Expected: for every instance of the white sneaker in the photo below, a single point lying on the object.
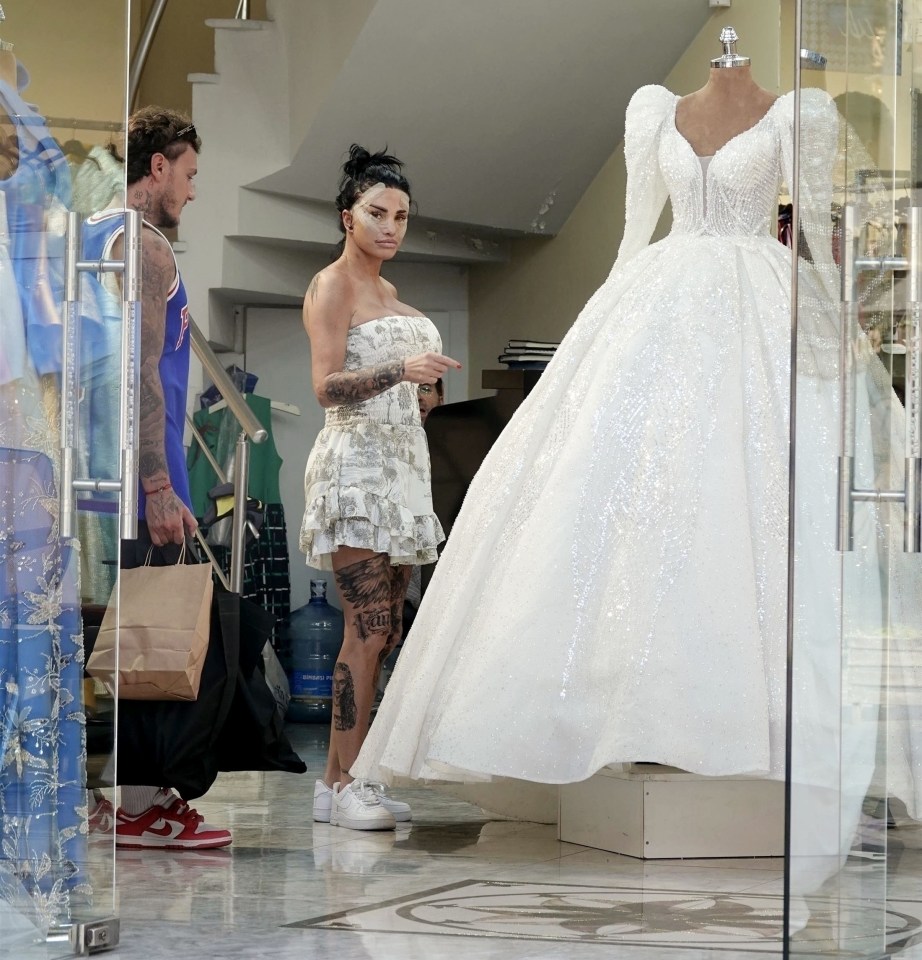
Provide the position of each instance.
(399, 810)
(323, 802)
(357, 807)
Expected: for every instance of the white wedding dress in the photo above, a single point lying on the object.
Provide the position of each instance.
(614, 588)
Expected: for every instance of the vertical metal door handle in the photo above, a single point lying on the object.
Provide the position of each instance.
(912, 532)
(911, 493)
(70, 380)
(848, 329)
(131, 363)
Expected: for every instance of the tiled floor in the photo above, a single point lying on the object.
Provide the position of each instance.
(452, 884)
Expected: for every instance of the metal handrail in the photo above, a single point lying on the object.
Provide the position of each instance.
(139, 59)
(219, 377)
(251, 430)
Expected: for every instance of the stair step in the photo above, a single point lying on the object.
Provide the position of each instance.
(203, 77)
(234, 24)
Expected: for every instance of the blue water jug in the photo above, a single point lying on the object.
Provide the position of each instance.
(312, 640)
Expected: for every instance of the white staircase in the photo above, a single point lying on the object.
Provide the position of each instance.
(504, 114)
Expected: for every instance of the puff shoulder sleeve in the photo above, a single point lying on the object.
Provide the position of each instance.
(646, 190)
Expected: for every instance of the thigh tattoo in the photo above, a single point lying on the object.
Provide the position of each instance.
(366, 582)
(373, 623)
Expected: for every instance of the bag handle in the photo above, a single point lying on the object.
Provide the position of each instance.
(150, 554)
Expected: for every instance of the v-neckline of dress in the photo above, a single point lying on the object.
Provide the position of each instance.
(733, 139)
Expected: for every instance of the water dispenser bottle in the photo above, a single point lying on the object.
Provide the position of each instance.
(313, 638)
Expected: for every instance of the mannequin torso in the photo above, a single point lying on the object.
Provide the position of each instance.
(727, 105)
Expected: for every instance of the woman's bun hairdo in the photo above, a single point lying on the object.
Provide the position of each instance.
(363, 170)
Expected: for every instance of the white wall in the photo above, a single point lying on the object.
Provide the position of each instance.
(278, 351)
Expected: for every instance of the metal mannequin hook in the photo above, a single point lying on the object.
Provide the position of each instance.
(730, 58)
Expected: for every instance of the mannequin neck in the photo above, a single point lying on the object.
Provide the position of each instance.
(729, 103)
(730, 81)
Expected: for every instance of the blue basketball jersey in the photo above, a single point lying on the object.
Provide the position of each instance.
(100, 231)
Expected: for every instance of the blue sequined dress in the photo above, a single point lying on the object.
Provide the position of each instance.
(42, 724)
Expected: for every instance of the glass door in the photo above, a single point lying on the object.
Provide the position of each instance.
(855, 697)
(63, 79)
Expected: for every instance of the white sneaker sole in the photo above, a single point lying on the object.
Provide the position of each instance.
(401, 816)
(378, 823)
(167, 843)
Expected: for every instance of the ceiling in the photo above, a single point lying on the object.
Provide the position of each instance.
(503, 110)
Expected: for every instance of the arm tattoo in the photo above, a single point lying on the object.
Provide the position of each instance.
(355, 386)
(343, 697)
(366, 582)
(157, 275)
(313, 288)
(151, 463)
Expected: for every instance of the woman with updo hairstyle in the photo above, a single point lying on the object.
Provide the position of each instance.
(368, 514)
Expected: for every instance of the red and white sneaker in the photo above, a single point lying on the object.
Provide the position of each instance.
(169, 824)
(101, 817)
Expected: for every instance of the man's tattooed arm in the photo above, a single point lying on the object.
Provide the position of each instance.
(353, 386)
(157, 275)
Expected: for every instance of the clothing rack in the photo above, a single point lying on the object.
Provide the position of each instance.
(71, 123)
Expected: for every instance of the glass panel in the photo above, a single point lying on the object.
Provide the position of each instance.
(854, 725)
(60, 104)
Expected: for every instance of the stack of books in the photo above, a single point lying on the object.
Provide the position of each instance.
(528, 354)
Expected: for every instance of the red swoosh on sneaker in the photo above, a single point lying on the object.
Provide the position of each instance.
(165, 831)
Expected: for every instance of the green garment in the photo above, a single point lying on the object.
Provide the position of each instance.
(220, 431)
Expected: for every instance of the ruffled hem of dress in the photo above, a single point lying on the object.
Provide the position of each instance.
(374, 523)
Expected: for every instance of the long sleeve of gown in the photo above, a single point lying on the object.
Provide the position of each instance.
(646, 190)
(819, 141)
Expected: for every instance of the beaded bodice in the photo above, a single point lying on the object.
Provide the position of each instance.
(740, 182)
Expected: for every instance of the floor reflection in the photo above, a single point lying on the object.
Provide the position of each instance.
(453, 884)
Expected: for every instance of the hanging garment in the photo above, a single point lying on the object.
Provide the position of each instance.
(37, 198)
(614, 587)
(219, 429)
(98, 180)
(42, 753)
(42, 747)
(266, 568)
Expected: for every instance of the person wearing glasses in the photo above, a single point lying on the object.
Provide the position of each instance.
(161, 164)
(430, 396)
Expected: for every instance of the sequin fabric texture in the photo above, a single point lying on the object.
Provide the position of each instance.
(614, 588)
(43, 807)
(367, 482)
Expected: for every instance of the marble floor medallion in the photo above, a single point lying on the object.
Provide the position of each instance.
(575, 912)
(599, 914)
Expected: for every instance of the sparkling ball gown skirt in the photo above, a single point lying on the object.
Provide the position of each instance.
(614, 588)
